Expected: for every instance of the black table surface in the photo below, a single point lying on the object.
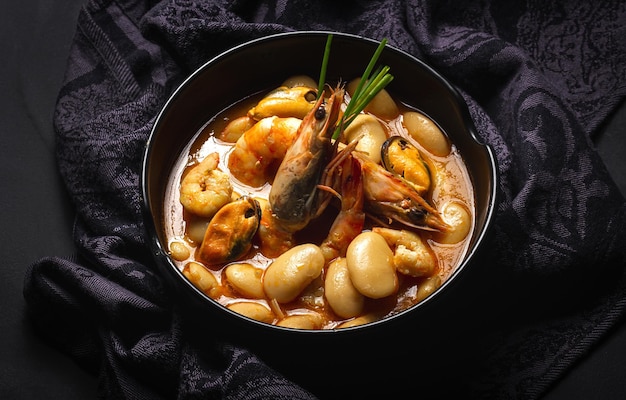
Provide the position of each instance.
(37, 216)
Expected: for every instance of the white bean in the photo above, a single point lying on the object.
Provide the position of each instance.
(371, 135)
(292, 271)
(382, 105)
(458, 217)
(426, 132)
(302, 321)
(202, 279)
(252, 310)
(235, 129)
(179, 251)
(196, 228)
(370, 263)
(340, 293)
(245, 279)
(363, 319)
(428, 287)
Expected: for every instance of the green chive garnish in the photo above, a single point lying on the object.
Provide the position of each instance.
(322, 81)
(367, 88)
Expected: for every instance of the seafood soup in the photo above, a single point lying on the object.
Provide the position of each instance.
(273, 218)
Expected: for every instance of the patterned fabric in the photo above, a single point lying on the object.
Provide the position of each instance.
(539, 79)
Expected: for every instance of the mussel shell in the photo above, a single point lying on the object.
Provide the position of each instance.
(400, 157)
(229, 234)
(285, 102)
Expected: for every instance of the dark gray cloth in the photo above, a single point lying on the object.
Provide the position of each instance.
(539, 79)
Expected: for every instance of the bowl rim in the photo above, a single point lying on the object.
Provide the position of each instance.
(159, 253)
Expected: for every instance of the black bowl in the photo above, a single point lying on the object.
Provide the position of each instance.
(263, 64)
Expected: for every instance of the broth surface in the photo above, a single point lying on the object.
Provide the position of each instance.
(450, 184)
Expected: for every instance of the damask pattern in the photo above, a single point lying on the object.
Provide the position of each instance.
(538, 77)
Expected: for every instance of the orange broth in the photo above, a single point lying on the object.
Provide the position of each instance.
(451, 182)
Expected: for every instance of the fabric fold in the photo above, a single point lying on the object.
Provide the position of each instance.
(538, 80)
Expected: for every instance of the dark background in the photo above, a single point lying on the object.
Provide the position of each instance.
(37, 215)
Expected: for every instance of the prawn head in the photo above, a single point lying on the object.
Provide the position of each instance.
(390, 196)
(294, 191)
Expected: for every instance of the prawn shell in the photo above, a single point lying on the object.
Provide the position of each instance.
(205, 188)
(252, 160)
(229, 234)
(293, 196)
(285, 102)
(402, 158)
(389, 195)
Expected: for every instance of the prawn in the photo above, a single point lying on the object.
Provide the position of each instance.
(205, 189)
(273, 239)
(257, 152)
(293, 195)
(351, 218)
(391, 196)
(411, 256)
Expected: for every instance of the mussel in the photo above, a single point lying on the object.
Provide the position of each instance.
(285, 102)
(229, 234)
(400, 157)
